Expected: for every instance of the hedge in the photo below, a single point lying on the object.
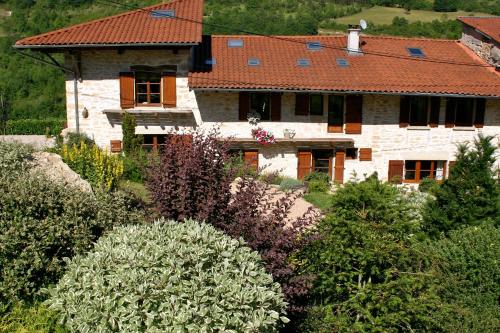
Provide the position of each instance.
(50, 126)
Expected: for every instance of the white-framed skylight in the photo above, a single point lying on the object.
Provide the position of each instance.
(163, 13)
(341, 62)
(234, 43)
(210, 61)
(415, 52)
(253, 62)
(303, 62)
(314, 46)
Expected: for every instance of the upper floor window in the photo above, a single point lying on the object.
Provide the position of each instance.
(465, 112)
(148, 88)
(309, 104)
(266, 105)
(419, 111)
(260, 104)
(316, 105)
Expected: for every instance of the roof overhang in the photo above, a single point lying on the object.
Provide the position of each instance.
(100, 46)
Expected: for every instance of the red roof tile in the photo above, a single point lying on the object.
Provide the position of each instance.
(448, 67)
(489, 26)
(134, 27)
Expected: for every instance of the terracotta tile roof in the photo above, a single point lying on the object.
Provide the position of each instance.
(448, 67)
(134, 27)
(489, 26)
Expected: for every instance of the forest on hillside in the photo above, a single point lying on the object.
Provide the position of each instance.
(32, 90)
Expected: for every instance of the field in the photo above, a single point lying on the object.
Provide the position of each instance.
(384, 15)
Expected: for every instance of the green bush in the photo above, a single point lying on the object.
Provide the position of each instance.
(320, 176)
(14, 158)
(135, 166)
(289, 184)
(468, 271)
(34, 319)
(35, 126)
(72, 139)
(273, 178)
(318, 186)
(168, 277)
(131, 142)
(428, 185)
(42, 222)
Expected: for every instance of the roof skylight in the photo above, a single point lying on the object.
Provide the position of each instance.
(163, 13)
(314, 46)
(210, 61)
(303, 62)
(253, 62)
(416, 52)
(342, 62)
(232, 43)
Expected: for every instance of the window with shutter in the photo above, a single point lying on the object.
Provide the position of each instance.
(275, 107)
(244, 105)
(305, 164)
(316, 105)
(339, 166)
(354, 114)
(435, 111)
(396, 169)
(404, 111)
(169, 96)
(301, 104)
(480, 112)
(335, 114)
(465, 112)
(127, 94)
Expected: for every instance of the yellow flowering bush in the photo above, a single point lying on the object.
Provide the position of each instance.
(97, 166)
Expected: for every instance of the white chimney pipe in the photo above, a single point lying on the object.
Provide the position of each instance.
(353, 40)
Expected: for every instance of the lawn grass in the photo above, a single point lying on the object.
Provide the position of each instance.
(385, 15)
(3, 18)
(319, 199)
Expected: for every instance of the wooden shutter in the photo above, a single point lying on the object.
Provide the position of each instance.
(304, 164)
(169, 93)
(396, 169)
(127, 91)
(404, 111)
(335, 114)
(116, 146)
(339, 166)
(251, 159)
(434, 114)
(451, 105)
(354, 114)
(244, 105)
(480, 111)
(301, 104)
(365, 154)
(275, 107)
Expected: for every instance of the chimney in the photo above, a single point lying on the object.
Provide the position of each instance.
(353, 40)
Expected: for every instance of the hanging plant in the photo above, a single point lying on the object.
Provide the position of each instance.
(263, 137)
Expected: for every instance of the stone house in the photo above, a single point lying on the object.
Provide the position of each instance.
(344, 105)
(482, 35)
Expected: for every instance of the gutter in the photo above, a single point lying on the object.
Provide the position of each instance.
(88, 46)
(347, 92)
(55, 64)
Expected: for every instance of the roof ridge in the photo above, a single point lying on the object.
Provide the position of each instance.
(99, 20)
(332, 37)
(480, 17)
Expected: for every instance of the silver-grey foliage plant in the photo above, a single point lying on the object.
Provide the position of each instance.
(168, 277)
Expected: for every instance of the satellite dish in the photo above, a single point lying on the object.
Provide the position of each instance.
(363, 24)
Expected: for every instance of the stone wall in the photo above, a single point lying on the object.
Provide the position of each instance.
(482, 46)
(99, 91)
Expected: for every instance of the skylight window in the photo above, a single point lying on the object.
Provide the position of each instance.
(232, 43)
(342, 62)
(163, 13)
(253, 62)
(416, 52)
(303, 62)
(314, 46)
(210, 62)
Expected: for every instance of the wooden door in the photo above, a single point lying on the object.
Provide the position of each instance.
(339, 166)
(305, 164)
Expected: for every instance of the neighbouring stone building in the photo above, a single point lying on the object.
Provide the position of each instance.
(482, 35)
(335, 104)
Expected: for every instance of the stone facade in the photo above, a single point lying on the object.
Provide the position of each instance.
(484, 47)
(100, 90)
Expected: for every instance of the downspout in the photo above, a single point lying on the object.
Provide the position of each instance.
(54, 63)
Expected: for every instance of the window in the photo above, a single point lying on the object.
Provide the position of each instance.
(148, 88)
(335, 114)
(235, 43)
(316, 105)
(415, 171)
(416, 52)
(351, 153)
(322, 161)
(303, 62)
(260, 103)
(465, 112)
(342, 62)
(419, 111)
(153, 142)
(314, 46)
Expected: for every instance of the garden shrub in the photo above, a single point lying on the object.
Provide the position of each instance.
(14, 158)
(369, 276)
(470, 195)
(135, 166)
(132, 142)
(468, 271)
(289, 184)
(318, 186)
(428, 185)
(100, 168)
(273, 178)
(42, 222)
(35, 126)
(71, 139)
(34, 319)
(321, 176)
(168, 277)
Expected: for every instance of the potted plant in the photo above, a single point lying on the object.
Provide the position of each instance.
(263, 137)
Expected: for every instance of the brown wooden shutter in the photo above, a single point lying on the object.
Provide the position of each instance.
(339, 166)
(301, 104)
(244, 105)
(354, 114)
(434, 114)
(116, 146)
(480, 111)
(169, 93)
(304, 164)
(275, 107)
(127, 91)
(396, 169)
(251, 159)
(451, 104)
(365, 154)
(404, 111)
